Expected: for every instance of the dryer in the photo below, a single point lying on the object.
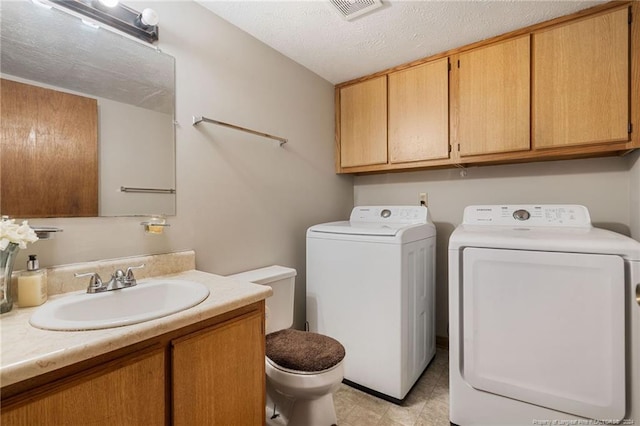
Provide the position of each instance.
(544, 319)
(371, 286)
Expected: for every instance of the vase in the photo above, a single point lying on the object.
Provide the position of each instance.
(7, 259)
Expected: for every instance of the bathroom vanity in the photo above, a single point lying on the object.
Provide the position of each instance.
(204, 365)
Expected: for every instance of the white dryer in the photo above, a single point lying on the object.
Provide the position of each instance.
(371, 286)
(543, 317)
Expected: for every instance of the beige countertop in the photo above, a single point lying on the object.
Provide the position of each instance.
(28, 351)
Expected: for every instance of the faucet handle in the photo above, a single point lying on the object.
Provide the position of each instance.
(129, 276)
(95, 282)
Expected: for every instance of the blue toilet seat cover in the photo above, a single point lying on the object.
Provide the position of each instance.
(303, 350)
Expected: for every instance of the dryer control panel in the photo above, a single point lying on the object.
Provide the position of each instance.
(569, 215)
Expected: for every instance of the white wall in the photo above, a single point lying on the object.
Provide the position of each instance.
(634, 194)
(136, 150)
(603, 185)
(242, 201)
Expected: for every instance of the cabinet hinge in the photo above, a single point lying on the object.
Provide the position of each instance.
(449, 66)
(458, 147)
(458, 63)
(630, 128)
(449, 148)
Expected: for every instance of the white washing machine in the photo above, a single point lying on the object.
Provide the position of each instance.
(371, 286)
(544, 319)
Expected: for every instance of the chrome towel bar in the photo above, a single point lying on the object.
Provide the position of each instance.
(148, 190)
(198, 120)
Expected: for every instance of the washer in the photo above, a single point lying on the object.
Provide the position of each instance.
(544, 319)
(371, 286)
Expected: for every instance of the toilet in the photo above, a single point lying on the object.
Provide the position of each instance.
(303, 369)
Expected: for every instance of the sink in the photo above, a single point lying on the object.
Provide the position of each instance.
(146, 301)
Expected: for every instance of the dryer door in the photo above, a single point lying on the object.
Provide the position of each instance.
(546, 328)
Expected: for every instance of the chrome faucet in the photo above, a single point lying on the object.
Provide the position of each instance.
(119, 279)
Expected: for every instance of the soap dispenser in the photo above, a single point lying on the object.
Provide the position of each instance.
(32, 284)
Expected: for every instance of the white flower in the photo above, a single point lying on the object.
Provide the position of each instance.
(10, 232)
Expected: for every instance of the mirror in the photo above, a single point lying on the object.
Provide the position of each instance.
(133, 84)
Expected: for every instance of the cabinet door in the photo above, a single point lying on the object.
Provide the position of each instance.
(218, 375)
(131, 392)
(419, 113)
(493, 98)
(363, 123)
(48, 152)
(581, 82)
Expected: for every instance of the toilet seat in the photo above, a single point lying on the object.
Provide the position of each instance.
(302, 373)
(303, 352)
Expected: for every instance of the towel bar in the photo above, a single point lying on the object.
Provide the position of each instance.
(198, 120)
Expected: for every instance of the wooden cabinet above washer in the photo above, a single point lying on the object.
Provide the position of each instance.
(563, 89)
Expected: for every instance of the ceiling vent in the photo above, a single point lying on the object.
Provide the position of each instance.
(351, 9)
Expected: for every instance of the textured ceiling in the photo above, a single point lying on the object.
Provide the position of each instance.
(312, 33)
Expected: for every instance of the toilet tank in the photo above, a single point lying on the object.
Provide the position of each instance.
(279, 312)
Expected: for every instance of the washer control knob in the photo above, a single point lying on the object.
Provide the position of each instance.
(385, 213)
(521, 214)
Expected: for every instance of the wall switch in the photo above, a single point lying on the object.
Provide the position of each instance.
(422, 199)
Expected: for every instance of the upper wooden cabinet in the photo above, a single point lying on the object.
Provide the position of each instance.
(363, 123)
(492, 112)
(562, 89)
(581, 81)
(419, 113)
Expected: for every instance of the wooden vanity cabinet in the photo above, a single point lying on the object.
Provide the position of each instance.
(214, 376)
(581, 81)
(128, 391)
(362, 123)
(492, 103)
(209, 373)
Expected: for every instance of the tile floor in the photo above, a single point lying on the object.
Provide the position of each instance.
(427, 404)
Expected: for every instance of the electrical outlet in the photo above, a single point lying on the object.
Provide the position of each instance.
(422, 199)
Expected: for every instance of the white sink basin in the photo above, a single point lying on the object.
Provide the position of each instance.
(146, 301)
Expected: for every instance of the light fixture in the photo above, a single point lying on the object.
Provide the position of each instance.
(109, 3)
(148, 17)
(115, 14)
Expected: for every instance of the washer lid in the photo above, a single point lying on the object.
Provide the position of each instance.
(359, 228)
(382, 221)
